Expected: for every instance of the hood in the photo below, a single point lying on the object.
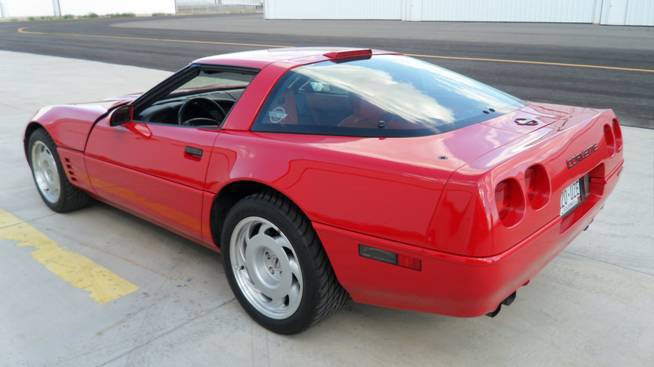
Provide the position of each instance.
(70, 124)
(109, 103)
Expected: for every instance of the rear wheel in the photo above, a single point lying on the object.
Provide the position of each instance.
(51, 181)
(276, 265)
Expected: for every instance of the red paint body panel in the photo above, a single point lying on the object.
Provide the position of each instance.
(144, 167)
(248, 106)
(333, 181)
(549, 146)
(430, 197)
(450, 284)
(74, 164)
(70, 125)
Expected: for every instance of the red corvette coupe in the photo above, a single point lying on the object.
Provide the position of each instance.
(324, 174)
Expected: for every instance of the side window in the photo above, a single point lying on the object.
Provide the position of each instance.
(300, 101)
(203, 99)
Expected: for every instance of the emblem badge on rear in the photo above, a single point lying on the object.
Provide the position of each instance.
(581, 156)
(525, 122)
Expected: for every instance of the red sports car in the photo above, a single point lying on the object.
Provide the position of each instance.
(325, 173)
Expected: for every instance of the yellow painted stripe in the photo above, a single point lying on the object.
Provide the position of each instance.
(79, 271)
(173, 40)
(529, 62)
(24, 30)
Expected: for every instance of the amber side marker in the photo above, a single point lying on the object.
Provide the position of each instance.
(390, 257)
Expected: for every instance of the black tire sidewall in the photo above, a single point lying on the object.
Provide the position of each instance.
(303, 316)
(42, 136)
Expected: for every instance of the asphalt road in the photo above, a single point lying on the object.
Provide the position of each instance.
(621, 59)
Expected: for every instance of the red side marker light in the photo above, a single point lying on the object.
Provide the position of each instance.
(409, 262)
(350, 54)
(390, 257)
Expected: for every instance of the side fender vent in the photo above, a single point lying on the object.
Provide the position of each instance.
(70, 171)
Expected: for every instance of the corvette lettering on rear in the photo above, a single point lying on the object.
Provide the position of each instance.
(581, 156)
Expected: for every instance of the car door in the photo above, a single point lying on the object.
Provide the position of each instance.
(156, 169)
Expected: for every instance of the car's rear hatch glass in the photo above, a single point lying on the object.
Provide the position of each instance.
(382, 96)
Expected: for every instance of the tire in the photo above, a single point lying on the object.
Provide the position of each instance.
(272, 224)
(67, 198)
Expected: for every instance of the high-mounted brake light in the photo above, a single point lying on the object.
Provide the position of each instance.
(349, 54)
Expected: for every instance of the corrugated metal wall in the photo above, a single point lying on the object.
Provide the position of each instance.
(576, 11)
(629, 12)
(333, 9)
(640, 12)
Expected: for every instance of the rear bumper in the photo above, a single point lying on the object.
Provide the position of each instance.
(452, 284)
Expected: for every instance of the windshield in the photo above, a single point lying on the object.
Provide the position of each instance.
(386, 95)
(209, 80)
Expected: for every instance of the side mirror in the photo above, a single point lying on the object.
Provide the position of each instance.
(121, 115)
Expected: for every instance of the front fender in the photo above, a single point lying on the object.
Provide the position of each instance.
(68, 125)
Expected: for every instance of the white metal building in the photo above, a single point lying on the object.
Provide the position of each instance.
(615, 12)
(37, 8)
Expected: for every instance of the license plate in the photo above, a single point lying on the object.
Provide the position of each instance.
(572, 196)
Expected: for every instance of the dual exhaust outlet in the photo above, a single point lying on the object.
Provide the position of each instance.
(506, 302)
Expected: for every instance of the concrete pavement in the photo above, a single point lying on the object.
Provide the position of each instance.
(591, 307)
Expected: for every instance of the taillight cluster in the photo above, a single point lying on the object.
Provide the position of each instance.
(538, 186)
(510, 199)
(617, 131)
(613, 135)
(608, 137)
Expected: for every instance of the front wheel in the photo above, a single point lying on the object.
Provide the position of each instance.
(49, 177)
(276, 265)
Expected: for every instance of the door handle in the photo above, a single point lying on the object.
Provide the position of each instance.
(193, 152)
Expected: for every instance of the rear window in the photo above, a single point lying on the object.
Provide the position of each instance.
(384, 96)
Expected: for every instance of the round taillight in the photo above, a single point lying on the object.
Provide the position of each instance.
(510, 202)
(617, 131)
(608, 137)
(538, 186)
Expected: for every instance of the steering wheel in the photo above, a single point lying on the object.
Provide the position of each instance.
(206, 105)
